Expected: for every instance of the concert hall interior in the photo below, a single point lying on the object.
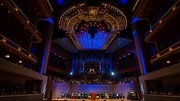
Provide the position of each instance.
(89, 50)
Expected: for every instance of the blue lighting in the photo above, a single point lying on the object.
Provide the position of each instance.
(71, 73)
(141, 55)
(123, 2)
(60, 2)
(43, 62)
(72, 64)
(112, 73)
(95, 43)
(50, 20)
(153, 49)
(33, 49)
(111, 64)
(135, 19)
(143, 61)
(150, 26)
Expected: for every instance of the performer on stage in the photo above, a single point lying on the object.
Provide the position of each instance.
(93, 96)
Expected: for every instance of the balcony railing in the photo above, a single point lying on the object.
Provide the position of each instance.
(165, 18)
(175, 48)
(5, 42)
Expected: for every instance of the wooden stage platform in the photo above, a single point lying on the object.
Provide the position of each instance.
(91, 100)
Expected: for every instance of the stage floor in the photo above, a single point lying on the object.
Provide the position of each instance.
(92, 100)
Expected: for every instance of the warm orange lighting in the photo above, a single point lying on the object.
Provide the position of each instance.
(19, 61)
(158, 55)
(160, 21)
(170, 49)
(27, 22)
(168, 61)
(19, 49)
(7, 56)
(4, 40)
(174, 8)
(29, 55)
(16, 9)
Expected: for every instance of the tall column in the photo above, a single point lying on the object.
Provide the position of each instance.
(140, 27)
(72, 64)
(45, 27)
(110, 62)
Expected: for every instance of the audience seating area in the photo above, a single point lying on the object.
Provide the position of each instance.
(87, 95)
(167, 90)
(13, 89)
(13, 58)
(92, 81)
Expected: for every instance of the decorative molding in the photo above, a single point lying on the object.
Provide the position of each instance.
(75, 14)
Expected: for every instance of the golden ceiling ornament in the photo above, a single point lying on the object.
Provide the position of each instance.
(111, 15)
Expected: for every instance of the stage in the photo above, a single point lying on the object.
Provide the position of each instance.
(92, 100)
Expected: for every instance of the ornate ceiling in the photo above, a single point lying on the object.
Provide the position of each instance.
(106, 18)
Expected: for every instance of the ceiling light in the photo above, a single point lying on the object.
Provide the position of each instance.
(160, 21)
(27, 22)
(9, 11)
(168, 61)
(1, 4)
(29, 55)
(7, 56)
(19, 61)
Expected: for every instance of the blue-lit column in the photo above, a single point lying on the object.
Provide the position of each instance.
(72, 64)
(140, 27)
(110, 62)
(45, 27)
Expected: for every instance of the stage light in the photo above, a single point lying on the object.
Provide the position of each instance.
(112, 73)
(71, 73)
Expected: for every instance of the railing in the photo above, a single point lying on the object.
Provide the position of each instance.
(166, 52)
(162, 19)
(23, 16)
(13, 45)
(29, 25)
